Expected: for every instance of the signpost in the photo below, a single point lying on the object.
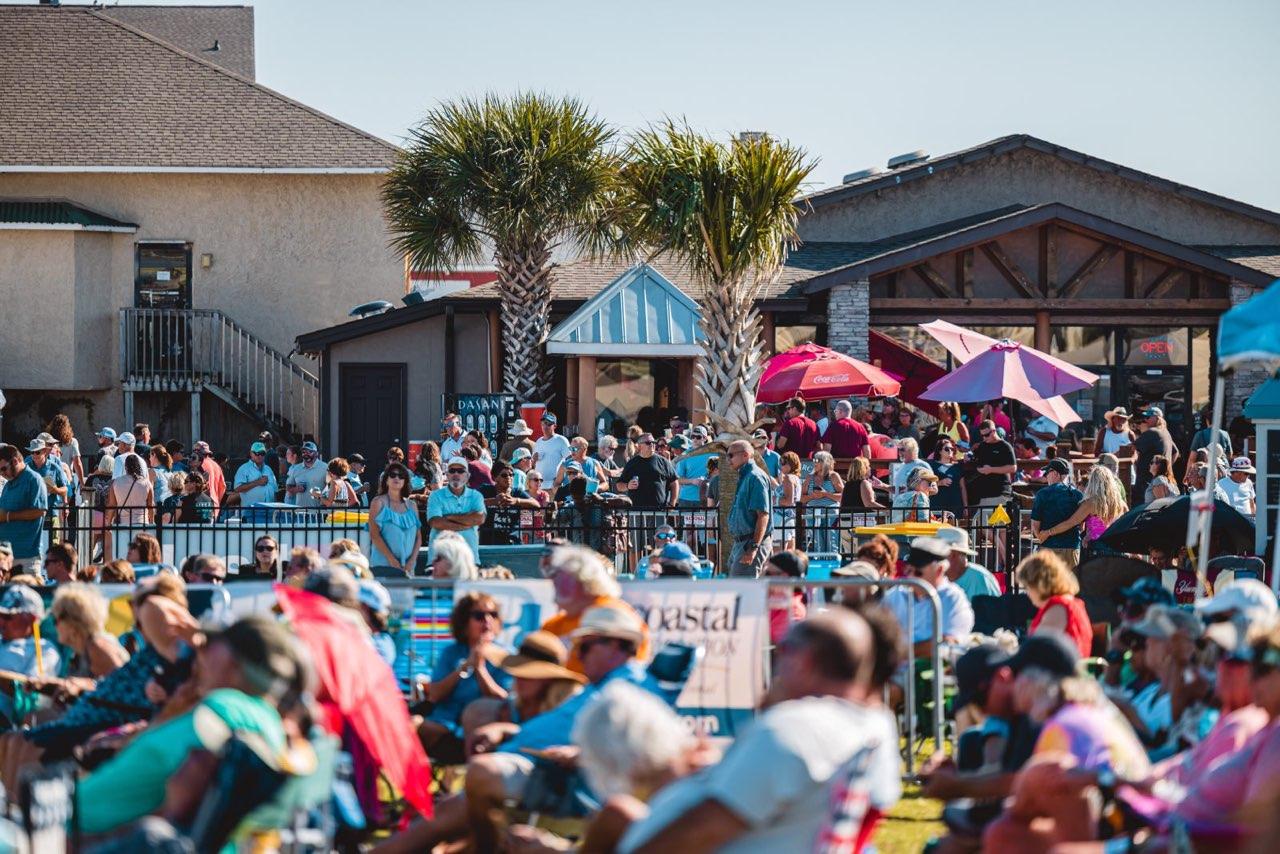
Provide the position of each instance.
(488, 413)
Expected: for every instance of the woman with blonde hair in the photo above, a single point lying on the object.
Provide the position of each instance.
(1104, 502)
(821, 490)
(80, 614)
(1053, 589)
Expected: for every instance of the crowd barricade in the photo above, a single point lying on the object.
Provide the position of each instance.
(625, 535)
(230, 534)
(730, 619)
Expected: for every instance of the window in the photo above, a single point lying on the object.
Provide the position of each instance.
(163, 275)
(786, 337)
(1083, 345)
(1155, 346)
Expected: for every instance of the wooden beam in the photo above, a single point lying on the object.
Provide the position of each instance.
(1193, 292)
(1163, 283)
(892, 284)
(1009, 269)
(1095, 263)
(964, 273)
(1132, 274)
(1131, 310)
(933, 279)
(1043, 332)
(1049, 259)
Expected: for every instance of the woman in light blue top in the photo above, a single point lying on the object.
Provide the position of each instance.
(161, 468)
(394, 527)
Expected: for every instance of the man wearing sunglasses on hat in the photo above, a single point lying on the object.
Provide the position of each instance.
(23, 505)
(457, 507)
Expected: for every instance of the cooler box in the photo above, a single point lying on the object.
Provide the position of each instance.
(821, 565)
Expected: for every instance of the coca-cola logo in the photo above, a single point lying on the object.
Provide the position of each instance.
(825, 379)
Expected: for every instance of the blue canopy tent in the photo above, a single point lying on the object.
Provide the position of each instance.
(1248, 333)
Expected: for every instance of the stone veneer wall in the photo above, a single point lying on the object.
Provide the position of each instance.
(849, 319)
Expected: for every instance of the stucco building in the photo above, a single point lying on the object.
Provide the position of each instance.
(168, 225)
(1112, 268)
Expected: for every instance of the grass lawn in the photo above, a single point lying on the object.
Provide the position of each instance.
(913, 822)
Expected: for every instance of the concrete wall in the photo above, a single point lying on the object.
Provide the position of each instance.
(1028, 177)
(421, 346)
(291, 253)
(37, 302)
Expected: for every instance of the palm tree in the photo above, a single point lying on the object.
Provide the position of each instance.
(512, 179)
(727, 211)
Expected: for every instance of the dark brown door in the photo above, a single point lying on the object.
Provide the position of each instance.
(371, 412)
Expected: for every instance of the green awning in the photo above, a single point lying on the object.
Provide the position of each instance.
(19, 214)
(1264, 404)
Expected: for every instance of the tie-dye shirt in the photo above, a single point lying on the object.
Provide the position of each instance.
(1097, 737)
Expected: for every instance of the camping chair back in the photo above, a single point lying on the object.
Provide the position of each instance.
(672, 666)
(244, 779)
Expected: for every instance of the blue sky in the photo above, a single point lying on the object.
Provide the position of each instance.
(1185, 90)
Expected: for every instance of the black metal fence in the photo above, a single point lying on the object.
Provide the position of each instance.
(627, 536)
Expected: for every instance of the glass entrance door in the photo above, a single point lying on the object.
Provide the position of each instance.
(1168, 388)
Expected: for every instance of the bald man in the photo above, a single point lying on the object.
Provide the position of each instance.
(772, 791)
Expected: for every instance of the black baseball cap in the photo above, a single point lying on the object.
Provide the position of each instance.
(1148, 590)
(1051, 652)
(974, 670)
(1062, 467)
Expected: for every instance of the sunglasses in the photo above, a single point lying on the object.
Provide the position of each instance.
(585, 646)
(481, 616)
(533, 479)
(457, 471)
(257, 453)
(666, 536)
(264, 548)
(395, 476)
(985, 433)
(645, 442)
(210, 577)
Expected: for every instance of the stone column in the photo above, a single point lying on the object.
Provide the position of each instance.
(1244, 381)
(849, 318)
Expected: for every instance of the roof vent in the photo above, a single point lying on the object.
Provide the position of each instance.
(860, 174)
(909, 159)
(367, 309)
(751, 135)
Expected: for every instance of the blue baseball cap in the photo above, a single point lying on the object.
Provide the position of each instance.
(106, 433)
(520, 454)
(310, 446)
(548, 417)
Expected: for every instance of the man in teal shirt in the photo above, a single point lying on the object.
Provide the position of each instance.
(23, 505)
(972, 579)
(244, 673)
(456, 507)
(749, 516)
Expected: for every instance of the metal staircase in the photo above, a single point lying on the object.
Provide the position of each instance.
(195, 350)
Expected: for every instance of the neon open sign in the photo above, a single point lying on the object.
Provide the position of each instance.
(1157, 347)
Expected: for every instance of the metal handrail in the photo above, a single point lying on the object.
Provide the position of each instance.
(164, 347)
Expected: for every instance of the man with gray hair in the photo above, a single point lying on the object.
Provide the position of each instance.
(845, 437)
(750, 514)
(772, 790)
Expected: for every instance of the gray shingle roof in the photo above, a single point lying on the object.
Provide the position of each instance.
(195, 29)
(925, 169)
(1260, 257)
(584, 278)
(83, 89)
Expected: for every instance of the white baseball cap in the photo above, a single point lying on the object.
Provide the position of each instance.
(1247, 596)
(456, 461)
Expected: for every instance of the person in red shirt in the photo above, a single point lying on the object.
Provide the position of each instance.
(845, 437)
(215, 481)
(798, 432)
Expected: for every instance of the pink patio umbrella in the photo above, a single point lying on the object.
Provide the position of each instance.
(800, 353)
(1048, 375)
(825, 376)
(1006, 370)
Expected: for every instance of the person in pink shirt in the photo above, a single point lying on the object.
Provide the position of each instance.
(1000, 418)
(798, 432)
(845, 437)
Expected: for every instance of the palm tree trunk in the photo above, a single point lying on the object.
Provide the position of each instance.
(525, 274)
(730, 367)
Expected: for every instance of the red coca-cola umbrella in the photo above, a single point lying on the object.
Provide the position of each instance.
(806, 352)
(824, 376)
